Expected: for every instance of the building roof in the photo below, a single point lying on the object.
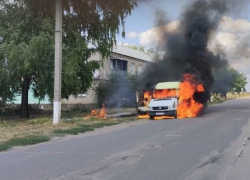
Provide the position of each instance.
(119, 49)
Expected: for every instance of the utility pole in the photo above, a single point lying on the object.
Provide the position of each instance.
(58, 63)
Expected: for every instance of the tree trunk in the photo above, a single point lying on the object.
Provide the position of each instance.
(24, 113)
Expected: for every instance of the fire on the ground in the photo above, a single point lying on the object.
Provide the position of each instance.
(99, 114)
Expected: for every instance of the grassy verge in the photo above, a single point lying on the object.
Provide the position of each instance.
(16, 132)
(230, 96)
(24, 141)
(236, 95)
(218, 101)
(82, 128)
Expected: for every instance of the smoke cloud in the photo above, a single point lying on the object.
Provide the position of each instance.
(186, 50)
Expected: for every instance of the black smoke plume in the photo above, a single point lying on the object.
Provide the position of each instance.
(186, 50)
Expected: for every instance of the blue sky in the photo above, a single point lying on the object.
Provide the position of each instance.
(233, 32)
(144, 16)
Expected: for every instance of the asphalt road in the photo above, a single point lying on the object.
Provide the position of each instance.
(201, 148)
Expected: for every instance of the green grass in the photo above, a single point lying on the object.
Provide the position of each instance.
(217, 101)
(74, 131)
(24, 141)
(82, 129)
(32, 131)
(100, 125)
(39, 128)
(7, 124)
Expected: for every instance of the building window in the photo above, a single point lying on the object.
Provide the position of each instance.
(119, 65)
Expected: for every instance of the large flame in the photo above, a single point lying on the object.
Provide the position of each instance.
(147, 95)
(100, 114)
(188, 107)
(164, 93)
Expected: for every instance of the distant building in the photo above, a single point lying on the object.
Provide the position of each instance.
(121, 59)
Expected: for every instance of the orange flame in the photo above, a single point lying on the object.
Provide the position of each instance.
(165, 93)
(163, 117)
(147, 95)
(200, 88)
(155, 118)
(143, 116)
(100, 114)
(188, 107)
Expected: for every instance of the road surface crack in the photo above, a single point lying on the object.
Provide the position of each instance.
(96, 171)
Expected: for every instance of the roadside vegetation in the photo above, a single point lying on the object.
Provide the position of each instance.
(228, 81)
(119, 91)
(217, 98)
(39, 128)
(228, 84)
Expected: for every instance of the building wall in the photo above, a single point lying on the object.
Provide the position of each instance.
(87, 98)
(134, 66)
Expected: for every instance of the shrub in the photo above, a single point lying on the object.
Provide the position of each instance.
(119, 91)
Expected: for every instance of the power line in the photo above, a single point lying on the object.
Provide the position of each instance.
(145, 16)
(153, 4)
(154, 7)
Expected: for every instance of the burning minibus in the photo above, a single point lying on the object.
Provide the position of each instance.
(172, 99)
(162, 101)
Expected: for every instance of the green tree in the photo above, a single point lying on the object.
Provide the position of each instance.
(141, 48)
(240, 82)
(6, 91)
(27, 43)
(134, 47)
(26, 47)
(137, 48)
(228, 80)
(224, 80)
(151, 51)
